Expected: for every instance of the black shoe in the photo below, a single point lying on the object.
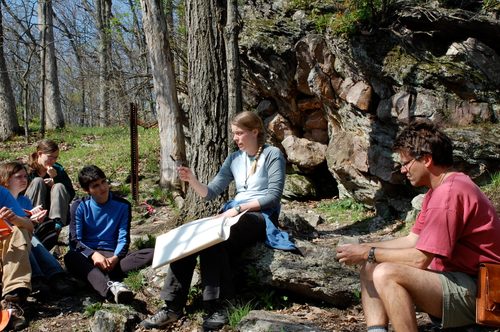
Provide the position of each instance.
(162, 318)
(17, 321)
(62, 285)
(216, 318)
(39, 287)
(18, 295)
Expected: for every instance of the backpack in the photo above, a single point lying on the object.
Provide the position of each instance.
(48, 232)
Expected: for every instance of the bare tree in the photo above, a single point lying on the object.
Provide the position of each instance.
(103, 12)
(79, 61)
(50, 94)
(167, 106)
(8, 119)
(208, 96)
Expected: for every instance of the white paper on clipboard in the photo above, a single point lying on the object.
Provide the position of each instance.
(192, 237)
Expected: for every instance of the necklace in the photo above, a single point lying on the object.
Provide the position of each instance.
(442, 178)
(246, 172)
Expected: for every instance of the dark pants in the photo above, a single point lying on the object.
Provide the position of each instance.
(215, 264)
(83, 267)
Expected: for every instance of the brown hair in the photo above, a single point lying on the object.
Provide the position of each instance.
(423, 137)
(8, 169)
(44, 146)
(250, 121)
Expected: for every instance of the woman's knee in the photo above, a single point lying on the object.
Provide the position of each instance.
(37, 184)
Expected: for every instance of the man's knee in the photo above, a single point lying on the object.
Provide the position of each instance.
(384, 273)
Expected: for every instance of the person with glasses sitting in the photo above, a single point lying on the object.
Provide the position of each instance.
(434, 267)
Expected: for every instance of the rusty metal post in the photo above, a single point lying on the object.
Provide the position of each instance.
(134, 153)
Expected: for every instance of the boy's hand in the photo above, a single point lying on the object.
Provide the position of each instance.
(112, 262)
(100, 261)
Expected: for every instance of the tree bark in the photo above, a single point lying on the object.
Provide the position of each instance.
(233, 59)
(54, 117)
(208, 99)
(103, 8)
(167, 106)
(9, 124)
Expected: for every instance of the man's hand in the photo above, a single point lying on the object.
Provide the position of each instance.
(352, 254)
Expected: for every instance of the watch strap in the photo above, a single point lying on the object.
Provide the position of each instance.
(371, 255)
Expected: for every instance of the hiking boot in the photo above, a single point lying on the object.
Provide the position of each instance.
(17, 321)
(216, 319)
(162, 318)
(120, 292)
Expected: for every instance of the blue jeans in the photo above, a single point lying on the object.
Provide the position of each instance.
(43, 264)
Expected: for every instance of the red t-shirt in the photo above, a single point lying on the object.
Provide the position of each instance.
(459, 225)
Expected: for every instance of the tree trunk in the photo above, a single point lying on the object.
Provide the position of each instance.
(82, 114)
(54, 117)
(103, 8)
(9, 124)
(208, 98)
(167, 106)
(233, 59)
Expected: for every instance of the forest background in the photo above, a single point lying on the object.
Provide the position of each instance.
(70, 70)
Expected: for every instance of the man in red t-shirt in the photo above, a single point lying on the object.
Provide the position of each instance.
(434, 267)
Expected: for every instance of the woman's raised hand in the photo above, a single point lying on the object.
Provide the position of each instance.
(185, 174)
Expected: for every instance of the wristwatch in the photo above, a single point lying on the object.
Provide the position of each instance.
(371, 256)
(237, 208)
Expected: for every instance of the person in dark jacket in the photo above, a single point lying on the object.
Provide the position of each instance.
(49, 184)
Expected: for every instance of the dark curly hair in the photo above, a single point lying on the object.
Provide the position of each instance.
(423, 137)
(89, 174)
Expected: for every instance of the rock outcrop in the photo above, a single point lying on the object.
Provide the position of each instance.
(354, 94)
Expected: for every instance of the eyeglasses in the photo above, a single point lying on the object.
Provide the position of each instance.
(407, 165)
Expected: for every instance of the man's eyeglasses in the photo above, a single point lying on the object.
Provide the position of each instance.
(407, 165)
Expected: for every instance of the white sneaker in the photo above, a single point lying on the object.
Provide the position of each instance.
(121, 292)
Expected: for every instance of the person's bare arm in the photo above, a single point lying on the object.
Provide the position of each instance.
(21, 222)
(400, 250)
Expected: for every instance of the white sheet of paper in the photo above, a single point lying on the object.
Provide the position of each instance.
(191, 237)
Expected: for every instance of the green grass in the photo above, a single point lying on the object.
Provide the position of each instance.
(237, 312)
(343, 210)
(108, 148)
(91, 309)
(492, 190)
(134, 280)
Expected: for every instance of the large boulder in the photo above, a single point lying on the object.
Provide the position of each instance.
(370, 85)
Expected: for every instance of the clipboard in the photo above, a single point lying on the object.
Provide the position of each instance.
(192, 237)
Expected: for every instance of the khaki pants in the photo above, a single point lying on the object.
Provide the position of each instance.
(15, 263)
